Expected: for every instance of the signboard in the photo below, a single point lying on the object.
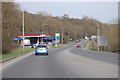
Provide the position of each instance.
(86, 38)
(93, 36)
(43, 35)
(102, 41)
(71, 39)
(57, 37)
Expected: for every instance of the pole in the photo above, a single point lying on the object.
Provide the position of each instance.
(23, 31)
(62, 35)
(56, 39)
(98, 34)
(42, 32)
(81, 34)
(75, 36)
(68, 36)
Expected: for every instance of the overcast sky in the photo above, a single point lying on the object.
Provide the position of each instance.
(103, 11)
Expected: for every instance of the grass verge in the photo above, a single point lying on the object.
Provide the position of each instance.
(69, 42)
(15, 53)
(63, 45)
(93, 46)
(86, 44)
(59, 46)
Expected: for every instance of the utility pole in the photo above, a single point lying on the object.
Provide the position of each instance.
(75, 36)
(42, 32)
(56, 39)
(98, 34)
(62, 35)
(68, 36)
(23, 30)
(81, 34)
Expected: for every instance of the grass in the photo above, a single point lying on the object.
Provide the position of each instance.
(72, 41)
(69, 42)
(63, 45)
(93, 46)
(85, 44)
(15, 53)
(59, 46)
(94, 49)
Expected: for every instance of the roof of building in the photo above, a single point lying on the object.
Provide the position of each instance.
(33, 34)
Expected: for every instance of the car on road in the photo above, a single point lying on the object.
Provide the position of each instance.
(33, 46)
(77, 41)
(116, 51)
(41, 49)
(78, 45)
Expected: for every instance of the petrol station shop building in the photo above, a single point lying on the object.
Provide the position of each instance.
(36, 37)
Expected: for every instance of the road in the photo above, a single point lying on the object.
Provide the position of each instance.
(67, 62)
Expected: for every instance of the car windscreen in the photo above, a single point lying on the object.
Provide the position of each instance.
(41, 46)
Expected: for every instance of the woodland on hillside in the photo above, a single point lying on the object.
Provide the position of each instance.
(0, 28)
(70, 27)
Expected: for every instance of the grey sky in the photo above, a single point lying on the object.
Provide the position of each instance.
(103, 11)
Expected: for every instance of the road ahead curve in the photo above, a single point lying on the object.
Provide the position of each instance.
(67, 62)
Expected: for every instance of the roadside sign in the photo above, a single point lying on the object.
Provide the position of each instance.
(43, 35)
(102, 41)
(57, 37)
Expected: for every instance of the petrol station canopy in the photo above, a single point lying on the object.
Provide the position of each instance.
(32, 34)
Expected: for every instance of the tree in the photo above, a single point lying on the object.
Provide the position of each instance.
(11, 25)
(69, 27)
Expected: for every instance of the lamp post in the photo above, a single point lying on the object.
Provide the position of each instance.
(68, 36)
(62, 34)
(98, 34)
(42, 31)
(23, 30)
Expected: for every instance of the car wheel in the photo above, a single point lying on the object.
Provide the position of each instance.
(36, 54)
(47, 54)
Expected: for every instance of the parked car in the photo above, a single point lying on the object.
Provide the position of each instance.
(34, 45)
(26, 42)
(41, 49)
(78, 45)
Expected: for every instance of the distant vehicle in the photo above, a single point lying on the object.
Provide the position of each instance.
(26, 42)
(42, 43)
(33, 46)
(93, 36)
(116, 51)
(77, 41)
(41, 49)
(49, 43)
(78, 45)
